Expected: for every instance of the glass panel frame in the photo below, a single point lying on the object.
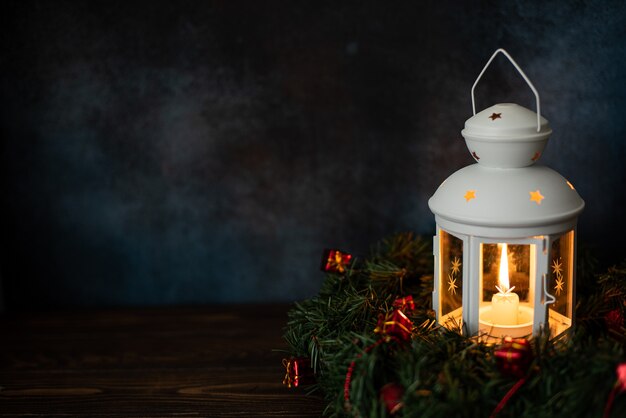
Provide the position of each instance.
(450, 273)
(561, 282)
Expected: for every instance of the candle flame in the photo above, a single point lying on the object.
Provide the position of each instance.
(503, 273)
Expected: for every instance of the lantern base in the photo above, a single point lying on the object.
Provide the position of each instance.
(453, 320)
(558, 323)
(522, 329)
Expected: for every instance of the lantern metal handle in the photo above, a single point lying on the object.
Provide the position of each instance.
(519, 70)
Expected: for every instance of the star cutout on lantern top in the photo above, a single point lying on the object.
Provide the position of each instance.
(536, 196)
(469, 195)
(495, 116)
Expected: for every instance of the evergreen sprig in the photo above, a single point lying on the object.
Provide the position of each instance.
(443, 373)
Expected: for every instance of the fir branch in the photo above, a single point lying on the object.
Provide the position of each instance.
(443, 372)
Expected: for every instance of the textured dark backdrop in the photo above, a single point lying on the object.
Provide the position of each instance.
(190, 152)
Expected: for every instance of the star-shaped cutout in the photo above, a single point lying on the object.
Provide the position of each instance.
(558, 287)
(557, 267)
(456, 265)
(536, 156)
(571, 186)
(469, 195)
(452, 284)
(536, 196)
(475, 155)
(495, 116)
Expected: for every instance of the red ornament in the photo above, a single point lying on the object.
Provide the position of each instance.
(391, 394)
(394, 324)
(406, 303)
(614, 320)
(621, 377)
(619, 387)
(335, 261)
(514, 356)
(298, 372)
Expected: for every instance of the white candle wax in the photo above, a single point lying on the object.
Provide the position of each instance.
(505, 303)
(504, 308)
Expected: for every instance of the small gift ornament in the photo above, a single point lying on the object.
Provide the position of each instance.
(298, 372)
(394, 324)
(335, 261)
(513, 357)
(406, 303)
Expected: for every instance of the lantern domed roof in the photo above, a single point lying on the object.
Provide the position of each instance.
(506, 198)
(506, 135)
(506, 122)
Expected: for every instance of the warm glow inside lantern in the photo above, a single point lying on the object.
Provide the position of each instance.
(506, 230)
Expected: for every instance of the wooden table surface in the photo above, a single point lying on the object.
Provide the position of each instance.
(156, 362)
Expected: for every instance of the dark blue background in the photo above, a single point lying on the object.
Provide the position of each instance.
(192, 152)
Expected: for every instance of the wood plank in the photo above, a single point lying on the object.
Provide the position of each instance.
(204, 361)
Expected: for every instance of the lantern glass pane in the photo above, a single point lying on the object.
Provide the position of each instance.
(560, 283)
(507, 288)
(518, 267)
(450, 280)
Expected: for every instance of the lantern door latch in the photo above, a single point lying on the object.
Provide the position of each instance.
(548, 298)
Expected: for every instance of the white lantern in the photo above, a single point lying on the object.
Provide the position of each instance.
(505, 246)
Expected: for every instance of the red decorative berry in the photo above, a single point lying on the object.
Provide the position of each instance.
(621, 377)
(391, 394)
(614, 320)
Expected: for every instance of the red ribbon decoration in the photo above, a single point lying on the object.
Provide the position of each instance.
(392, 326)
(335, 261)
(348, 381)
(619, 387)
(406, 303)
(513, 358)
(297, 371)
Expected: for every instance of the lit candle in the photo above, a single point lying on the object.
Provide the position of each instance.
(505, 303)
